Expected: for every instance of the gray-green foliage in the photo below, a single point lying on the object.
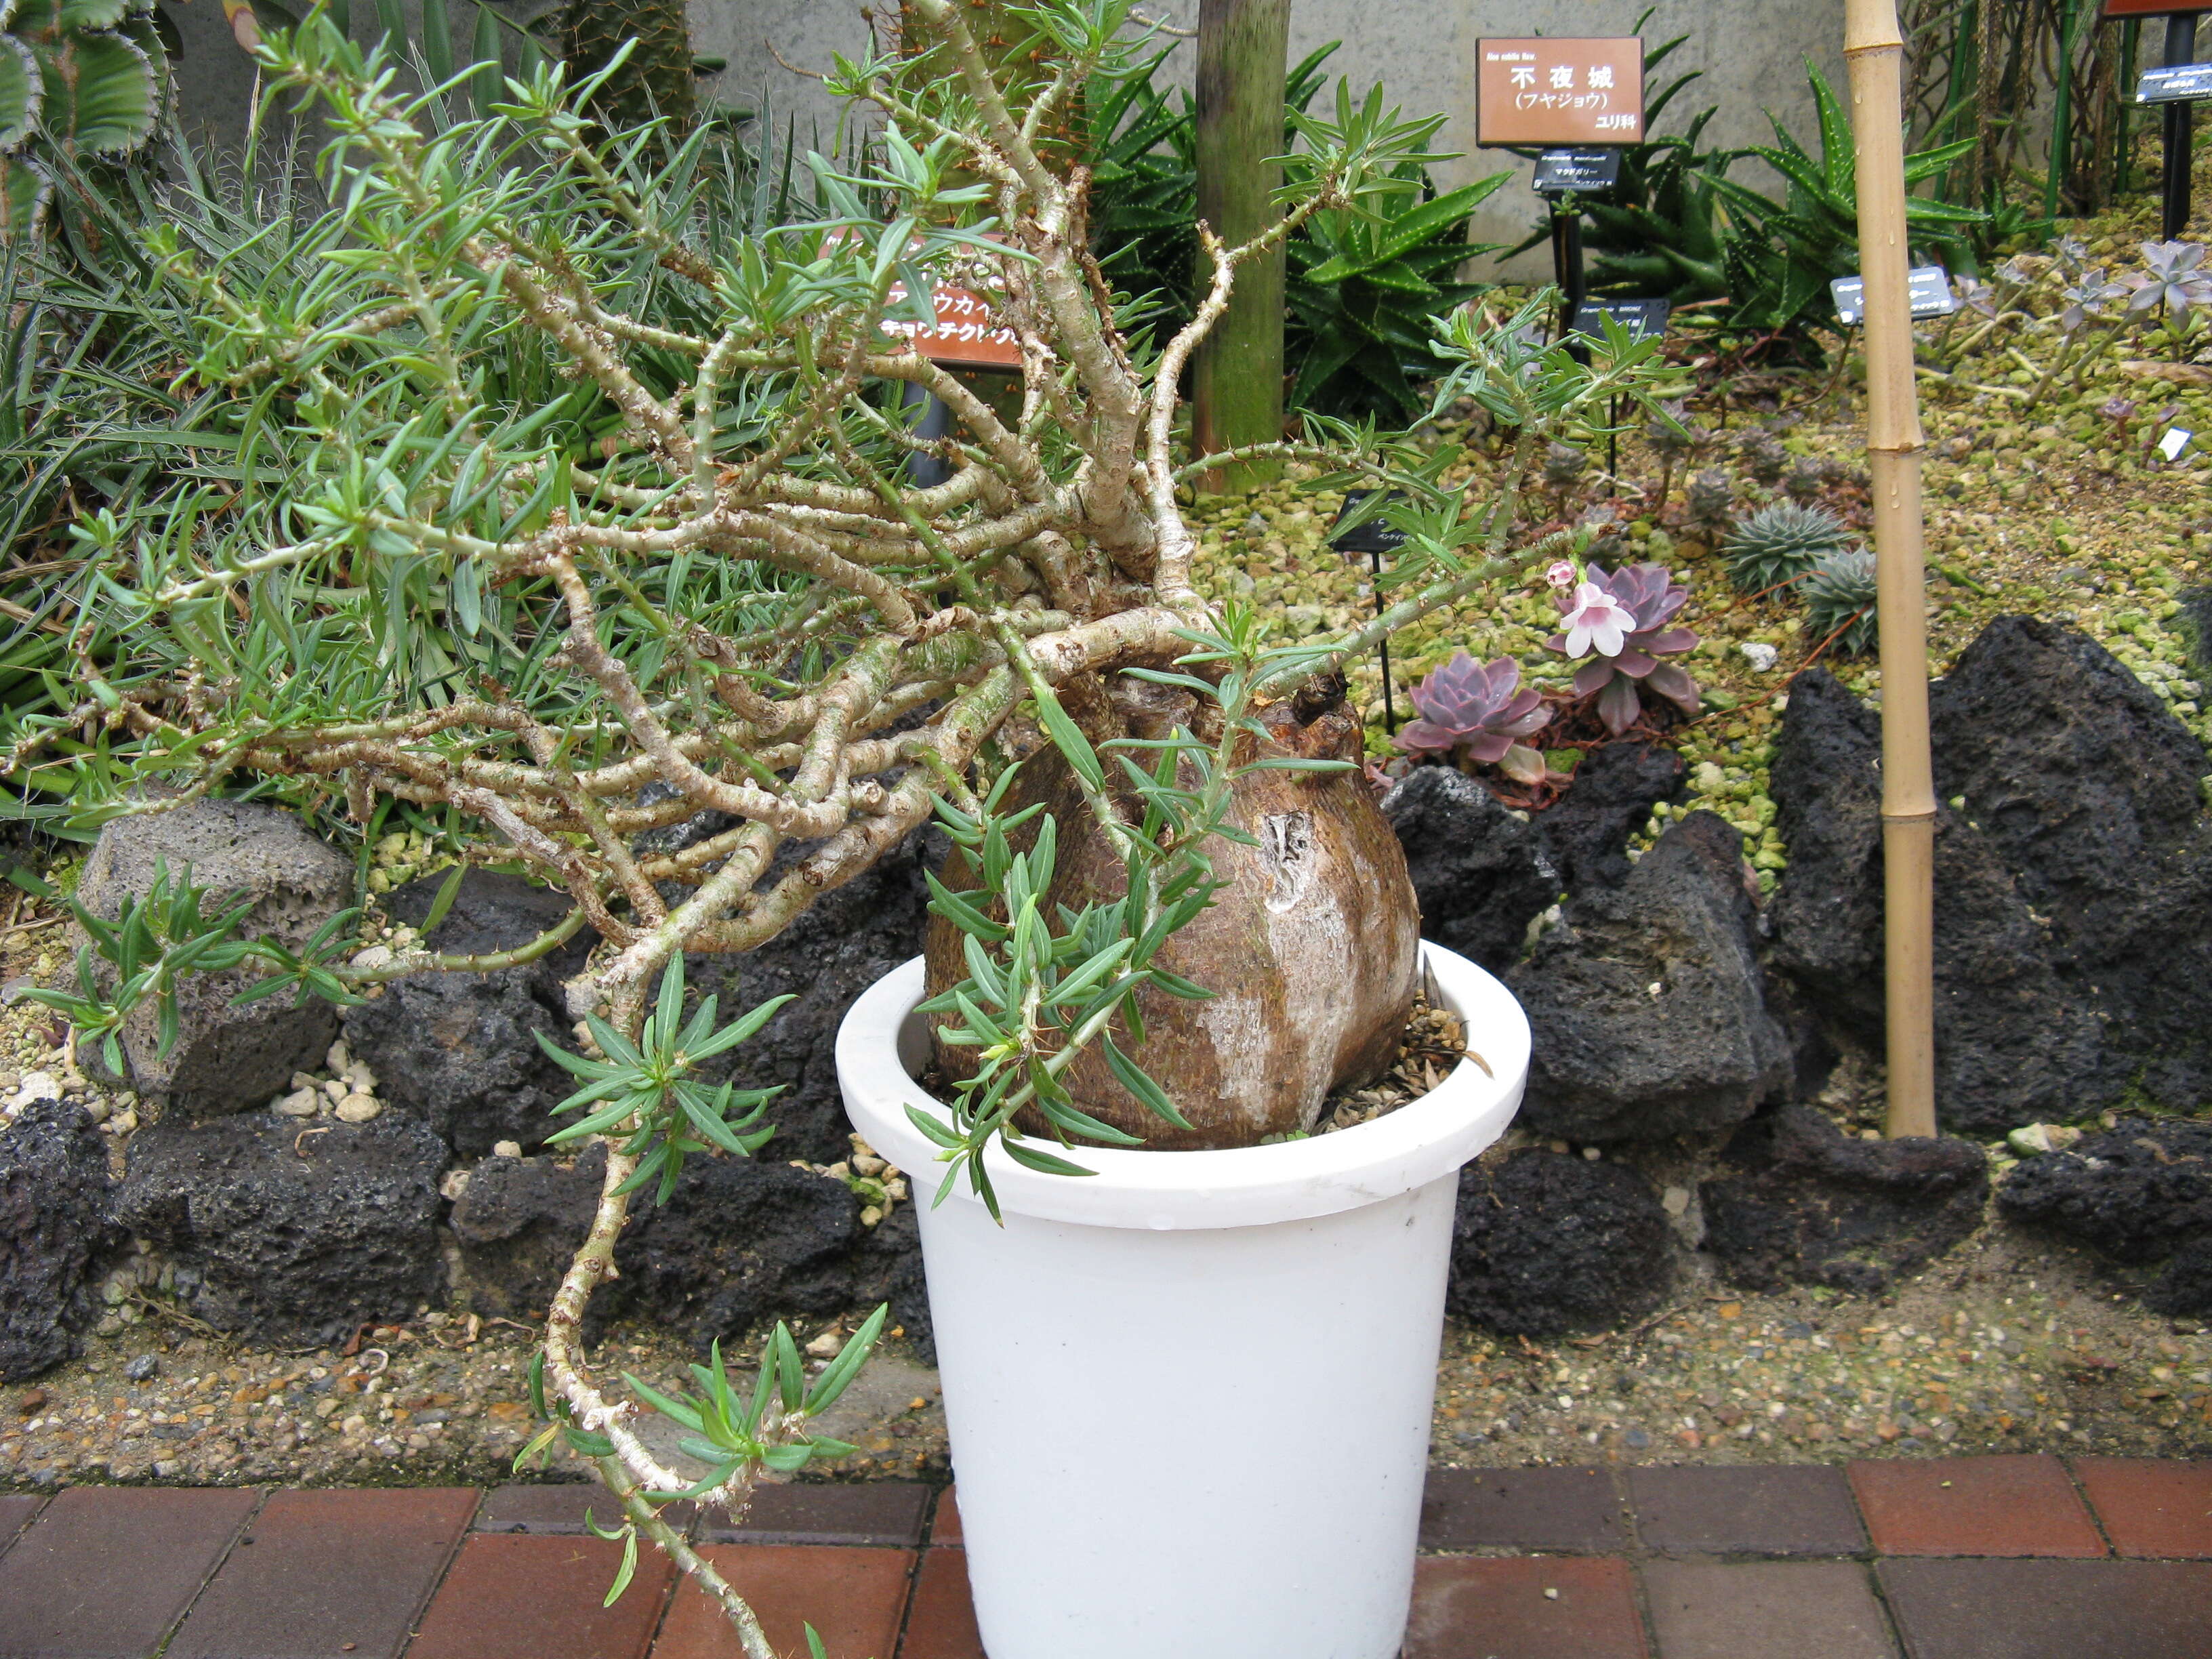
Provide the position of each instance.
(1840, 601)
(1780, 543)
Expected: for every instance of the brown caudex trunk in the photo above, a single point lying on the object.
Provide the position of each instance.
(1312, 950)
(1874, 47)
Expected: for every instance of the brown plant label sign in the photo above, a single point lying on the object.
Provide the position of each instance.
(2145, 8)
(1543, 91)
(965, 333)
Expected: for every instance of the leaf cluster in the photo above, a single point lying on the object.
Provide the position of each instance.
(649, 1093)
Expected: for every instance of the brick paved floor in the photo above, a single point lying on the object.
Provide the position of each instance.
(1966, 1557)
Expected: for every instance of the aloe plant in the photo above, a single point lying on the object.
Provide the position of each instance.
(82, 82)
(1781, 256)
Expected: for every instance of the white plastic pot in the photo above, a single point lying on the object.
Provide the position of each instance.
(1189, 1396)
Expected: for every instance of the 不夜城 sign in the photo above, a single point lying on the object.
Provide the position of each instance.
(1543, 91)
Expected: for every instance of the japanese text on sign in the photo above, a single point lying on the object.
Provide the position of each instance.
(1543, 91)
(964, 331)
(1928, 290)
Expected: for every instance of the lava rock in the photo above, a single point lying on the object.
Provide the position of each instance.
(292, 1237)
(53, 1219)
(460, 1051)
(887, 1267)
(2089, 789)
(738, 1241)
(836, 949)
(226, 1059)
(2016, 1041)
(1585, 832)
(2136, 1194)
(1481, 874)
(1798, 1202)
(1543, 1243)
(517, 1225)
(1646, 1005)
(2184, 1288)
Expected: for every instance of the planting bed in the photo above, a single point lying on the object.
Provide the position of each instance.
(2012, 1340)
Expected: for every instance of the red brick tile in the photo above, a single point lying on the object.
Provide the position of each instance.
(2051, 1609)
(1801, 1508)
(560, 1507)
(1497, 1608)
(2151, 1506)
(2005, 1505)
(1765, 1610)
(1577, 1510)
(16, 1510)
(539, 1598)
(941, 1624)
(874, 1514)
(105, 1572)
(855, 1599)
(328, 1575)
(945, 1527)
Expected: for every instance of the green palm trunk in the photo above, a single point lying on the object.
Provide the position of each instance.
(1238, 377)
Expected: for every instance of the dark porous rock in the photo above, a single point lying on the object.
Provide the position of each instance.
(836, 949)
(887, 1269)
(1544, 1242)
(2136, 1193)
(2015, 1041)
(291, 1236)
(226, 1059)
(459, 1051)
(2183, 1289)
(1798, 1202)
(53, 1219)
(1586, 830)
(2090, 789)
(1480, 874)
(1826, 914)
(738, 1241)
(517, 1225)
(1615, 1059)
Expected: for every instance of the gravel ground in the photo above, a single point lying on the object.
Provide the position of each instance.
(2007, 1344)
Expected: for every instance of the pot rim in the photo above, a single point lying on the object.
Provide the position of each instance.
(1166, 1191)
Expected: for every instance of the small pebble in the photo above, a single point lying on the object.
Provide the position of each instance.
(142, 1369)
(506, 1149)
(358, 1109)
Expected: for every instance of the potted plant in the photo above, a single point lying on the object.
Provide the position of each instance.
(594, 517)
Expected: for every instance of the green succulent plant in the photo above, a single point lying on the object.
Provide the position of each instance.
(82, 82)
(1839, 594)
(1781, 256)
(1781, 542)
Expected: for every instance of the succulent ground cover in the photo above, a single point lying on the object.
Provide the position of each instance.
(2063, 510)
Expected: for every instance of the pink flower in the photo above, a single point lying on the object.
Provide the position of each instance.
(1561, 574)
(1596, 618)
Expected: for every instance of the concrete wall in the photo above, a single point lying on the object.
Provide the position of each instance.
(1751, 53)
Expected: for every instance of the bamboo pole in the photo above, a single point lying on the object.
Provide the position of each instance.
(1236, 382)
(1874, 47)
